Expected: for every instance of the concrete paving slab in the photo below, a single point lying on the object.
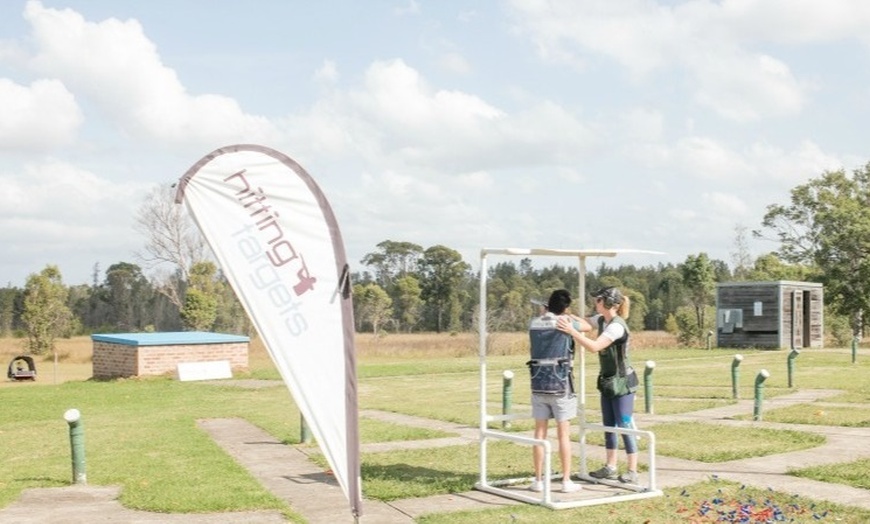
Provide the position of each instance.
(288, 473)
(468, 501)
(83, 504)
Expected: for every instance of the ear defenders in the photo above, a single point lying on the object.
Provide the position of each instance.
(610, 296)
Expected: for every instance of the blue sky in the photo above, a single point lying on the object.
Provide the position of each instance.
(565, 124)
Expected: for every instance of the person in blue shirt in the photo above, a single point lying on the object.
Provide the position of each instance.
(552, 385)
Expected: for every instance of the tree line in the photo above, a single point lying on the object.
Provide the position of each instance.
(409, 289)
(823, 236)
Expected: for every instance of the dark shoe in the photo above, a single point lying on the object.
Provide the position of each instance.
(606, 472)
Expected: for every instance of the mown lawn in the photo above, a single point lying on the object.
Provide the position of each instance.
(141, 433)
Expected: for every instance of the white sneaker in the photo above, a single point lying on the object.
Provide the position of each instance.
(537, 486)
(570, 487)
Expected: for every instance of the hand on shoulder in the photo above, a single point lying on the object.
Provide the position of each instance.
(565, 324)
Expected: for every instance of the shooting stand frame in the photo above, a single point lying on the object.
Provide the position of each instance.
(595, 491)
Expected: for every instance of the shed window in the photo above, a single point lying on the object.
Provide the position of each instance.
(756, 308)
(730, 319)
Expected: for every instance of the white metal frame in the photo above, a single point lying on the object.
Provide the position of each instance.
(545, 498)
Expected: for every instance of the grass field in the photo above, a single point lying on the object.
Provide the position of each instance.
(141, 433)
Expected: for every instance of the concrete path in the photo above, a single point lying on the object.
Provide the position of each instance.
(287, 472)
(99, 504)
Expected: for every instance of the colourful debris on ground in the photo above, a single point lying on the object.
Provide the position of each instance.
(748, 510)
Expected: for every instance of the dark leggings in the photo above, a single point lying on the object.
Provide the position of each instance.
(618, 409)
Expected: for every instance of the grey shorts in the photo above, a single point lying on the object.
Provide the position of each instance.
(554, 406)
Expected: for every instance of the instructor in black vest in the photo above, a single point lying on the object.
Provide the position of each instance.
(617, 381)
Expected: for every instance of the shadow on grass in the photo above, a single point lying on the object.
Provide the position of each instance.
(397, 481)
(43, 482)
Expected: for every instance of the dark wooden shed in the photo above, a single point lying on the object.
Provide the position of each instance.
(778, 314)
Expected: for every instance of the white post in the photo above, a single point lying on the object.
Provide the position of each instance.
(481, 320)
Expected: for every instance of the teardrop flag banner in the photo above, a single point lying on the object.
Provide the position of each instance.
(277, 241)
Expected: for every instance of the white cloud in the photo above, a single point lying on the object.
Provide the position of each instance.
(744, 88)
(642, 124)
(683, 215)
(402, 186)
(477, 180)
(397, 120)
(455, 63)
(798, 21)
(118, 69)
(11, 52)
(792, 167)
(637, 33)
(731, 207)
(695, 39)
(400, 96)
(411, 7)
(706, 158)
(42, 116)
(760, 164)
(426, 211)
(62, 190)
(60, 212)
(571, 175)
(327, 72)
(467, 15)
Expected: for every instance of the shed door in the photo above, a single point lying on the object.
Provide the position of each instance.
(796, 319)
(806, 319)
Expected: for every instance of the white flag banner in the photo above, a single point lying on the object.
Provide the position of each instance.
(277, 242)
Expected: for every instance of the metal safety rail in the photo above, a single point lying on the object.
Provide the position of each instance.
(507, 487)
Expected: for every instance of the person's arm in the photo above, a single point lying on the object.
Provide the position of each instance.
(581, 324)
(593, 345)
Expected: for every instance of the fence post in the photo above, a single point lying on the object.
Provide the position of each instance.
(791, 357)
(759, 393)
(304, 430)
(506, 395)
(648, 386)
(735, 375)
(77, 445)
(709, 340)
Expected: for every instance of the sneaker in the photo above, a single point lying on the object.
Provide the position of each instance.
(570, 487)
(607, 472)
(629, 477)
(537, 486)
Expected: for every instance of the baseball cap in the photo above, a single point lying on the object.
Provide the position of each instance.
(609, 294)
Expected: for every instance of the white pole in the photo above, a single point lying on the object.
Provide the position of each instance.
(581, 379)
(481, 320)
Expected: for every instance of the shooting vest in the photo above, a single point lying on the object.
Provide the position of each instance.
(617, 378)
(614, 359)
(552, 353)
